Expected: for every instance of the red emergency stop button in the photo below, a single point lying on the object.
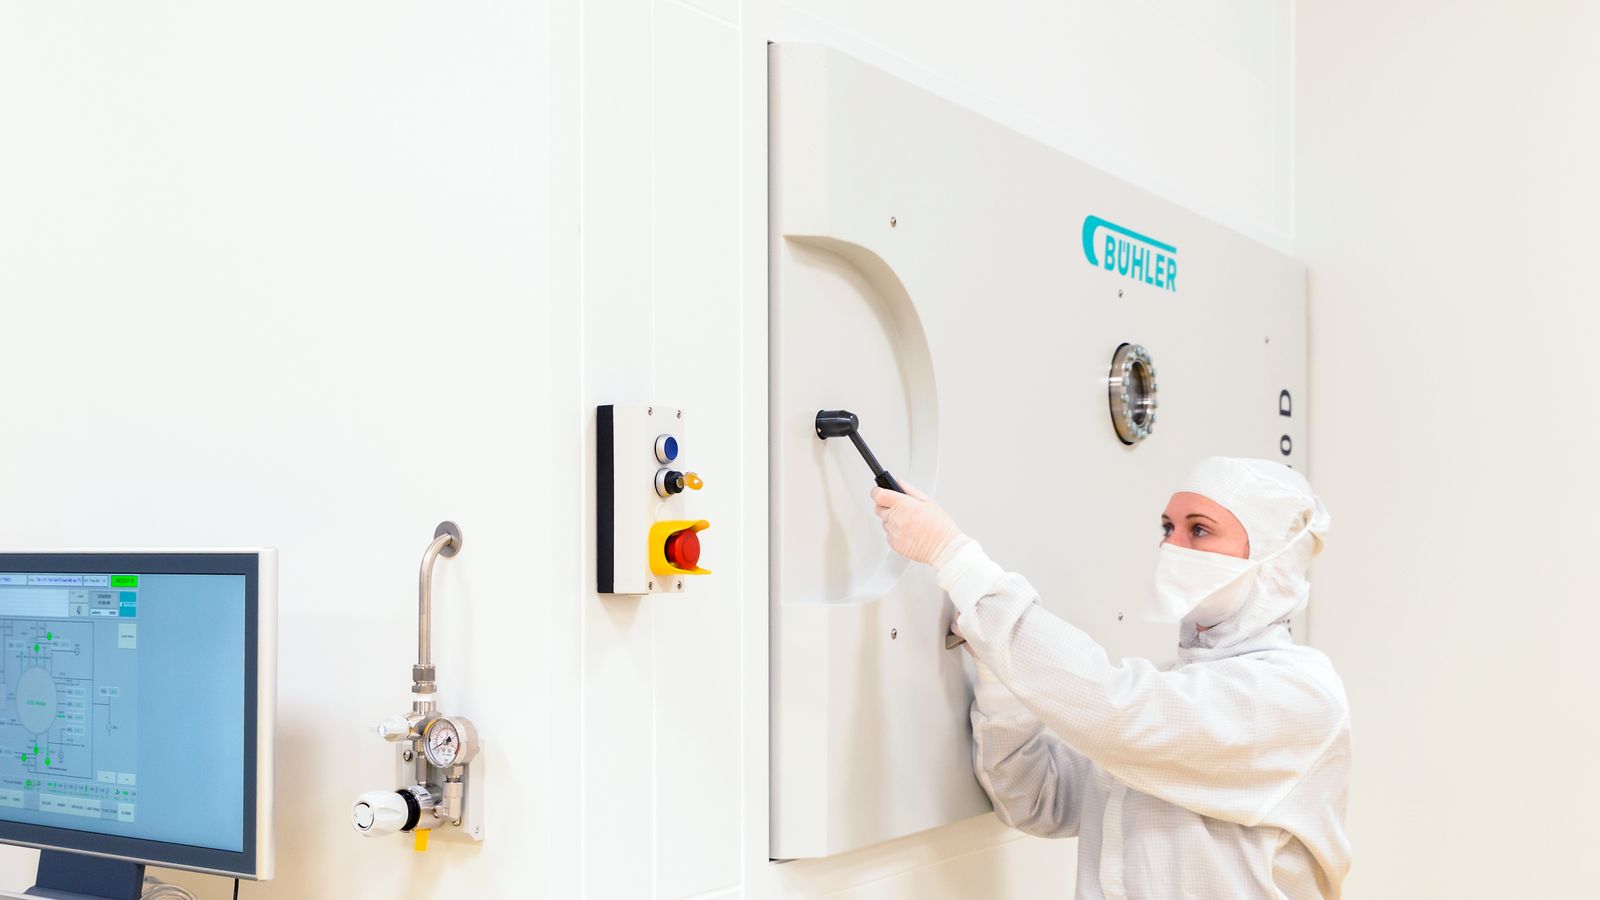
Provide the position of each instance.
(683, 549)
(674, 547)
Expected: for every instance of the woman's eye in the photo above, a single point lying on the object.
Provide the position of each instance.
(1166, 529)
(1199, 531)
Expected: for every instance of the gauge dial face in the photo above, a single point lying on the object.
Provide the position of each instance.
(444, 743)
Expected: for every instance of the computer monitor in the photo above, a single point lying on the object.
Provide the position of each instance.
(137, 720)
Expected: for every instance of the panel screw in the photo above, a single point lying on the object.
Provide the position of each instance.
(1119, 292)
(650, 585)
(1119, 617)
(894, 633)
(680, 585)
(649, 410)
(893, 221)
(405, 755)
(680, 413)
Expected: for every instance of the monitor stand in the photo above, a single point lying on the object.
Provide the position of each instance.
(72, 876)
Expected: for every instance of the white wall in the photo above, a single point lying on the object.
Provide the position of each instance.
(1446, 198)
(423, 241)
(1189, 99)
(277, 274)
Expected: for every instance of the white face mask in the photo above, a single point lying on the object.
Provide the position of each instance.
(1204, 587)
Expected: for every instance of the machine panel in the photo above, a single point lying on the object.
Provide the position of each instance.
(964, 291)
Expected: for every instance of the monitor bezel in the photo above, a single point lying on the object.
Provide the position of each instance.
(258, 566)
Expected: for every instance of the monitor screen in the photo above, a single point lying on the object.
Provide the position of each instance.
(129, 718)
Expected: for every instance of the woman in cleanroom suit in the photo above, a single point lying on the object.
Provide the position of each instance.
(1223, 774)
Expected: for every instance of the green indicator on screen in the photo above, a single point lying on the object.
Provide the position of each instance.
(124, 581)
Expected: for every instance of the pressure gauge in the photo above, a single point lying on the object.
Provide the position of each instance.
(1132, 386)
(450, 742)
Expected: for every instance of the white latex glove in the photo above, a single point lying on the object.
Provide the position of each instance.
(917, 527)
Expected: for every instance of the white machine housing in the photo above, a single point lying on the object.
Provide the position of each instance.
(946, 279)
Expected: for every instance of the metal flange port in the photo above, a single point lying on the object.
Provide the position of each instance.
(1132, 390)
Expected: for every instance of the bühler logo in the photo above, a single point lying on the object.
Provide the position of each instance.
(1127, 252)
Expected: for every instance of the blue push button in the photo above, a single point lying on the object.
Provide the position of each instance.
(666, 448)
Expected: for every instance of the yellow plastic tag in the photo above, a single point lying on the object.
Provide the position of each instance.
(693, 481)
(419, 840)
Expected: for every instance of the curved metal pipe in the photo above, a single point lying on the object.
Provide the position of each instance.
(446, 542)
(425, 599)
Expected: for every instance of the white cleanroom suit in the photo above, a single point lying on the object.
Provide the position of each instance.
(1221, 775)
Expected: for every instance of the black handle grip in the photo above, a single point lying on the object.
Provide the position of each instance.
(887, 482)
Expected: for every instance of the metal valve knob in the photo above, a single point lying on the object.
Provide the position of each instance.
(379, 812)
(395, 729)
(385, 812)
